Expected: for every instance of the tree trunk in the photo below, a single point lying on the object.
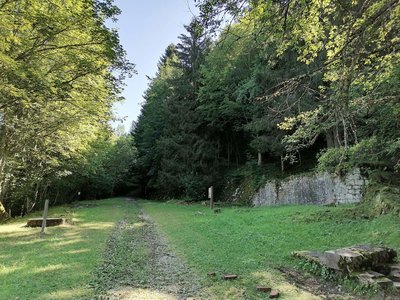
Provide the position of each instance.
(330, 140)
(3, 213)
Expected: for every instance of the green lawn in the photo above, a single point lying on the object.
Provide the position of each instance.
(254, 242)
(251, 242)
(59, 265)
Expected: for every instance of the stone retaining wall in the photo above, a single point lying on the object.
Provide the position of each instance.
(314, 189)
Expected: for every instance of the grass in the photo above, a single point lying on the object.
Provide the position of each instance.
(83, 260)
(125, 259)
(59, 265)
(254, 242)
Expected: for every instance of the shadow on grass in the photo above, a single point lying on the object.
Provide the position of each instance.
(58, 265)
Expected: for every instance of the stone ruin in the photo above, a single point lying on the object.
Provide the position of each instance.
(320, 188)
(370, 265)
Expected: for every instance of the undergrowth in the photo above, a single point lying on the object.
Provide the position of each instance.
(347, 282)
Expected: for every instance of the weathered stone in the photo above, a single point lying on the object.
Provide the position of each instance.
(394, 267)
(372, 279)
(341, 259)
(396, 285)
(322, 188)
(274, 294)
(370, 274)
(360, 258)
(37, 222)
(357, 258)
(263, 289)
(310, 256)
(395, 275)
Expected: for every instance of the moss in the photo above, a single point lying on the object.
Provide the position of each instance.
(382, 199)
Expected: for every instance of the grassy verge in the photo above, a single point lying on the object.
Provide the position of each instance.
(253, 243)
(59, 265)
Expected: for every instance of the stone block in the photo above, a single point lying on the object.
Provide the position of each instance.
(37, 222)
(395, 275)
(394, 267)
(374, 278)
(341, 259)
(357, 258)
(311, 256)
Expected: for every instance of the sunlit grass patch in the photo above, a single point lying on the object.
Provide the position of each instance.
(255, 242)
(59, 265)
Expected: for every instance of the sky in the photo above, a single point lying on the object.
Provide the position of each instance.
(146, 28)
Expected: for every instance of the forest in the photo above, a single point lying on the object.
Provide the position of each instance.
(61, 70)
(289, 109)
(252, 88)
(272, 87)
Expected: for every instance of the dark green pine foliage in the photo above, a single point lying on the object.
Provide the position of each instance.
(222, 115)
(186, 158)
(149, 128)
(293, 93)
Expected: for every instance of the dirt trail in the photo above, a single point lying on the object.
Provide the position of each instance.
(169, 273)
(164, 274)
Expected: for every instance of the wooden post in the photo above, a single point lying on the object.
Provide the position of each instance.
(46, 208)
(211, 196)
(259, 160)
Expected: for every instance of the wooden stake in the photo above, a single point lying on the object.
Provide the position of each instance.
(211, 196)
(46, 208)
(259, 161)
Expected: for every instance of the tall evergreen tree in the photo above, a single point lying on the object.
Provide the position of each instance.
(183, 168)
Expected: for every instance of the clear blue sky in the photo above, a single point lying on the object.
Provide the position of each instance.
(146, 28)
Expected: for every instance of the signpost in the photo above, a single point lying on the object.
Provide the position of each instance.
(211, 196)
(46, 208)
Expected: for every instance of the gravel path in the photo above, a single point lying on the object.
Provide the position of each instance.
(139, 264)
(169, 273)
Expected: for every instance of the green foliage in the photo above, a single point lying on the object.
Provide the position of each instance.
(348, 282)
(61, 71)
(173, 156)
(341, 57)
(381, 199)
(369, 153)
(279, 81)
(319, 270)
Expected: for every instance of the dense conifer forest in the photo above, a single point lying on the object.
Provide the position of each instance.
(271, 87)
